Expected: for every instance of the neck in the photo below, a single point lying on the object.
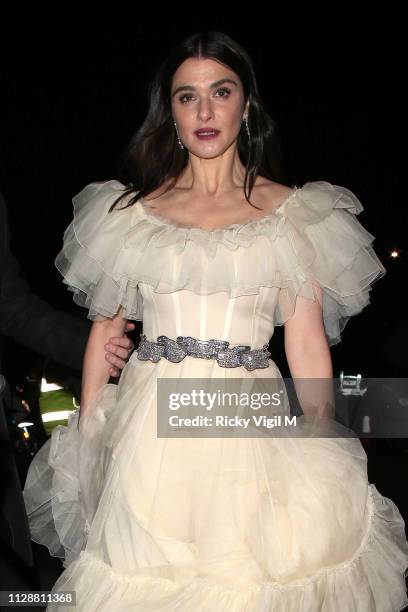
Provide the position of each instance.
(213, 177)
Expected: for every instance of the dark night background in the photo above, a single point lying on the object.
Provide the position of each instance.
(74, 91)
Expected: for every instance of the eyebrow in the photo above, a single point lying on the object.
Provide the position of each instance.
(191, 88)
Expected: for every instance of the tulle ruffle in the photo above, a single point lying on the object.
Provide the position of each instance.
(370, 581)
(148, 523)
(91, 258)
(312, 239)
(64, 481)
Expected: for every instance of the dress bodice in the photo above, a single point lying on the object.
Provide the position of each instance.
(235, 283)
(245, 319)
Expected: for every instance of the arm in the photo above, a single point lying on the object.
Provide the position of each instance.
(95, 367)
(308, 355)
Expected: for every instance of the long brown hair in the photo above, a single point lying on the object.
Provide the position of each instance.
(153, 155)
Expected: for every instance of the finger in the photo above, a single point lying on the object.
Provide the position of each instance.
(123, 341)
(118, 352)
(129, 326)
(115, 361)
(114, 372)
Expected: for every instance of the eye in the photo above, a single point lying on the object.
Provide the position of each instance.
(224, 90)
(182, 98)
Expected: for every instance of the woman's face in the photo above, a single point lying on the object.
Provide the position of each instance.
(207, 95)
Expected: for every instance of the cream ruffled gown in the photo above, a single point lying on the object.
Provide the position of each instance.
(199, 524)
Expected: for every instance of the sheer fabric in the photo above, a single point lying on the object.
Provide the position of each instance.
(314, 237)
(213, 524)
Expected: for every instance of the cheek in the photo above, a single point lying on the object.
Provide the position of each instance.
(231, 117)
(184, 118)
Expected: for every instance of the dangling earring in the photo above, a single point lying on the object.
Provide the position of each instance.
(247, 128)
(178, 137)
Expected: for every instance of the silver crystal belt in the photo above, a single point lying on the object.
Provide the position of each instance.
(227, 357)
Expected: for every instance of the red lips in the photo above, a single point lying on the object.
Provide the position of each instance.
(206, 130)
(206, 133)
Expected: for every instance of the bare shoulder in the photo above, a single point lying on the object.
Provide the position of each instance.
(272, 194)
(162, 192)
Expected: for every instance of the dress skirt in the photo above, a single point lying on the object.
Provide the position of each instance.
(289, 524)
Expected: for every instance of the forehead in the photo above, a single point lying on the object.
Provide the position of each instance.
(201, 71)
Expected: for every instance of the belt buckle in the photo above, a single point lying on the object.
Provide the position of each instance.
(203, 348)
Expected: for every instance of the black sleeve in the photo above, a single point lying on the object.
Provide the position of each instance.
(29, 319)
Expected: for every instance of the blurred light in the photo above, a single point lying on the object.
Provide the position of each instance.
(394, 253)
(25, 424)
(26, 405)
(59, 415)
(49, 386)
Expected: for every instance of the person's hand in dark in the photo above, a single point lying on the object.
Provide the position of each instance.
(118, 351)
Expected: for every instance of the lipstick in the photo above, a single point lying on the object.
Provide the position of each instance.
(206, 133)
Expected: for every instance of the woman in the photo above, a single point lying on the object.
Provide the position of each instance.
(207, 248)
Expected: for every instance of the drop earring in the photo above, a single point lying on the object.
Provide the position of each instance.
(178, 137)
(247, 128)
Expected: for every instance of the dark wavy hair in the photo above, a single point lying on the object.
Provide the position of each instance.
(153, 155)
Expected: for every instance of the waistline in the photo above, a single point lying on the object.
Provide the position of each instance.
(226, 356)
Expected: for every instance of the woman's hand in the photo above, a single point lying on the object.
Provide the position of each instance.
(118, 350)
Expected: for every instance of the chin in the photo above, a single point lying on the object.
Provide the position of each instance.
(210, 153)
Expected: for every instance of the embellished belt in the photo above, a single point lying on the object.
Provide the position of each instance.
(227, 357)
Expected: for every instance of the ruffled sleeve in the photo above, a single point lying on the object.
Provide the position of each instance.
(91, 260)
(312, 239)
(321, 242)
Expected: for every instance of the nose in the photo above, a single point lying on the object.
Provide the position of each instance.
(205, 111)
